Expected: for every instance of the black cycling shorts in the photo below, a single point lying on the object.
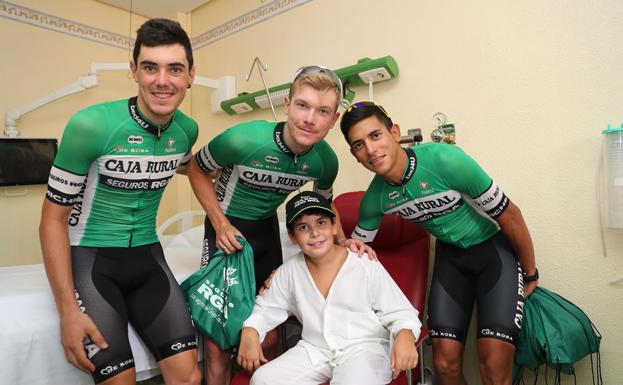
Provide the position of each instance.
(488, 273)
(262, 235)
(117, 285)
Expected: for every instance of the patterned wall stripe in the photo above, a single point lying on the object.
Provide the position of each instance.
(242, 22)
(39, 19)
(58, 24)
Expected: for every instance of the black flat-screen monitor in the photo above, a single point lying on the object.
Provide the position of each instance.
(26, 161)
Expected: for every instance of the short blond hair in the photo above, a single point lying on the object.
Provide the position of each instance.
(318, 81)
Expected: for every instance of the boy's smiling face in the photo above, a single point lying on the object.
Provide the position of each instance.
(314, 234)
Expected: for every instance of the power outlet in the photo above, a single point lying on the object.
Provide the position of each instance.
(375, 75)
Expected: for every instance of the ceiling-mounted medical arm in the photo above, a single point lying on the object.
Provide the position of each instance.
(83, 83)
(12, 115)
(225, 88)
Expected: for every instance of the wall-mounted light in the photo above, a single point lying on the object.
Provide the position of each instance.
(366, 71)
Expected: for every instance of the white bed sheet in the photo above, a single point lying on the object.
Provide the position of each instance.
(30, 350)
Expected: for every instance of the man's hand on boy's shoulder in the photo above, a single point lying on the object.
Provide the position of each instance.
(404, 354)
(360, 247)
(250, 355)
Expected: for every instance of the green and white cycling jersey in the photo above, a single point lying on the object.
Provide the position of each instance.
(439, 179)
(112, 167)
(257, 170)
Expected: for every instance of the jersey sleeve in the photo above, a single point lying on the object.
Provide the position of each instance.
(224, 150)
(464, 174)
(324, 185)
(192, 132)
(81, 144)
(370, 214)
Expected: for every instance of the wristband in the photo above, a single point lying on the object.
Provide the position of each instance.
(531, 278)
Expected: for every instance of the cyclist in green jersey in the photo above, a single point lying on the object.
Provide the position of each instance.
(258, 164)
(483, 252)
(105, 186)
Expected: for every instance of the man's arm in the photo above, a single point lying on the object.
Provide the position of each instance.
(355, 245)
(514, 228)
(75, 325)
(204, 191)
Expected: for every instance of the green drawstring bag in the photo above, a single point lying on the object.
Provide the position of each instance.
(557, 333)
(221, 295)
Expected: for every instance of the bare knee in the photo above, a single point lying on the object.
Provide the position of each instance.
(192, 377)
(448, 358)
(496, 361)
(448, 366)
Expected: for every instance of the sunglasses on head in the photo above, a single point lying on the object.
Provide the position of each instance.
(315, 69)
(368, 103)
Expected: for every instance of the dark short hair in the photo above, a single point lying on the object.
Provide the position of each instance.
(157, 32)
(353, 116)
(312, 211)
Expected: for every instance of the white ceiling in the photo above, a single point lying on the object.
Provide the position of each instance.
(157, 8)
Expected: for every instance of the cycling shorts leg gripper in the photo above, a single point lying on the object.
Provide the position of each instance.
(108, 314)
(262, 235)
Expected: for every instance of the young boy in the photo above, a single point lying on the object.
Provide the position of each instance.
(350, 309)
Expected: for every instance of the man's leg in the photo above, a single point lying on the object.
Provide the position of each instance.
(496, 361)
(363, 368)
(448, 361)
(217, 365)
(127, 377)
(181, 369)
(292, 368)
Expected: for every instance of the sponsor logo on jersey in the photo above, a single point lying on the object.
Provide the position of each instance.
(221, 187)
(429, 207)
(393, 195)
(304, 166)
(411, 167)
(271, 159)
(278, 135)
(493, 201)
(256, 163)
(135, 139)
(170, 144)
(119, 148)
(423, 185)
(138, 172)
(270, 181)
(137, 117)
(126, 166)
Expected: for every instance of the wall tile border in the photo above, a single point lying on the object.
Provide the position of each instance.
(58, 24)
(39, 19)
(242, 22)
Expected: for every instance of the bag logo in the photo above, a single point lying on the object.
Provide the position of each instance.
(228, 274)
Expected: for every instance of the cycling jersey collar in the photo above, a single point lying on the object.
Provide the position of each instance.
(280, 141)
(143, 121)
(409, 167)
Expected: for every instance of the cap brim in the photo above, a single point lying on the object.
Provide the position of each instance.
(295, 215)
